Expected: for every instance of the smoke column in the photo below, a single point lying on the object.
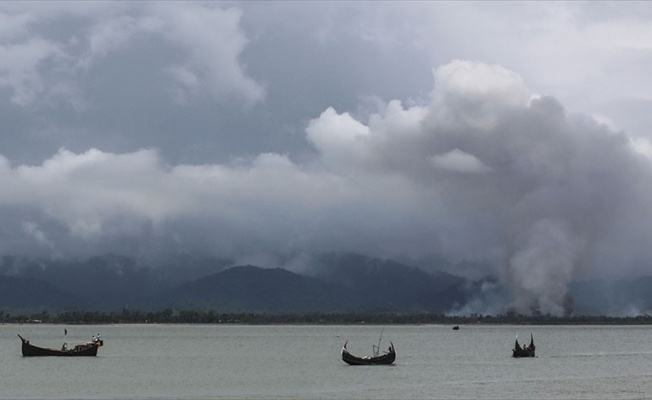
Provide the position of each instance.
(552, 184)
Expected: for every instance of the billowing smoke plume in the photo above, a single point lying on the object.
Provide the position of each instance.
(485, 171)
(561, 183)
(542, 267)
(555, 183)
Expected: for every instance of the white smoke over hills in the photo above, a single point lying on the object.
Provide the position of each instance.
(484, 171)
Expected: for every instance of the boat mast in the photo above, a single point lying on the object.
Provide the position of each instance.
(377, 348)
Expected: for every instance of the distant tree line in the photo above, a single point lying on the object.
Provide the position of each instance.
(169, 316)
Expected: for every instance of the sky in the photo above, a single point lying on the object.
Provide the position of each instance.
(509, 138)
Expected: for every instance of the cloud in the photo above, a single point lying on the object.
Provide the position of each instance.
(341, 140)
(107, 36)
(14, 25)
(486, 171)
(643, 146)
(19, 68)
(33, 230)
(459, 161)
(212, 41)
(206, 37)
(463, 86)
(232, 129)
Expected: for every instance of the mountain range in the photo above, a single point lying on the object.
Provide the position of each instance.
(335, 283)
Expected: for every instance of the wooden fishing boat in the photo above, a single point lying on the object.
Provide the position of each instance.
(525, 351)
(386, 358)
(88, 349)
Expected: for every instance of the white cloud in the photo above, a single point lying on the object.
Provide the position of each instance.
(341, 140)
(642, 145)
(478, 92)
(459, 161)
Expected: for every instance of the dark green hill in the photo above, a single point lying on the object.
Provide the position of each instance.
(392, 285)
(349, 283)
(27, 293)
(108, 281)
(253, 289)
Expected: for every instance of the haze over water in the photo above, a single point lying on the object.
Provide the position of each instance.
(299, 362)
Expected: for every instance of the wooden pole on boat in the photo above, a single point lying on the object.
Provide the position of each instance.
(377, 348)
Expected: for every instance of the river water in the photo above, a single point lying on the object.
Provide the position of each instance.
(303, 362)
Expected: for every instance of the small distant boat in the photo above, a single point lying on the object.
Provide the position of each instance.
(456, 328)
(525, 351)
(88, 349)
(386, 358)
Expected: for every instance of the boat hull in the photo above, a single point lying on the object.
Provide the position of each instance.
(521, 352)
(83, 350)
(384, 359)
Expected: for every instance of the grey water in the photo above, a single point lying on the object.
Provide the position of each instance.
(303, 362)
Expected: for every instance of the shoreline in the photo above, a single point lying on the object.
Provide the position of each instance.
(170, 316)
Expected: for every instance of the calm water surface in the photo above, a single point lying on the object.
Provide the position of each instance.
(302, 362)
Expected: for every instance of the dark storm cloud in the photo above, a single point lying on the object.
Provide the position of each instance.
(232, 130)
(122, 77)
